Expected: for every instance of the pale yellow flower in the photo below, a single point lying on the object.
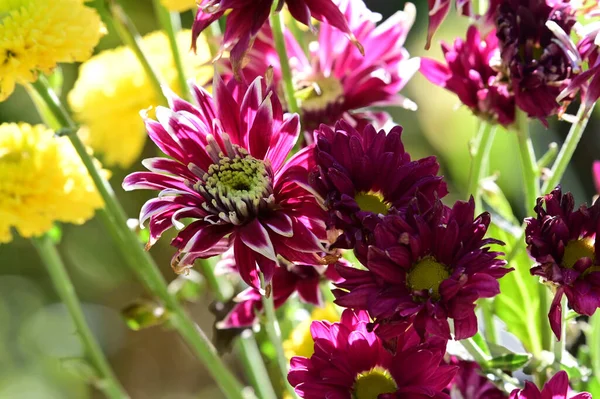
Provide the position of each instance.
(113, 88)
(42, 181)
(179, 5)
(35, 35)
(300, 342)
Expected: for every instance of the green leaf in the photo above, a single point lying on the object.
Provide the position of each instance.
(593, 386)
(517, 304)
(495, 198)
(144, 314)
(510, 361)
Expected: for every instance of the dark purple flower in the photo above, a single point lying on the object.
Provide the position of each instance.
(246, 18)
(470, 383)
(335, 80)
(350, 362)
(534, 61)
(563, 242)
(362, 175)
(229, 176)
(471, 72)
(426, 267)
(556, 388)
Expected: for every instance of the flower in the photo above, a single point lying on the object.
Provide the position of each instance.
(562, 241)
(556, 388)
(246, 17)
(42, 181)
(470, 383)
(287, 280)
(596, 174)
(426, 267)
(537, 65)
(300, 341)
(349, 361)
(230, 177)
(113, 87)
(178, 5)
(470, 72)
(36, 35)
(335, 81)
(438, 10)
(362, 175)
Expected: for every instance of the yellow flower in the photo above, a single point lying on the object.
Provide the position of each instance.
(42, 180)
(300, 342)
(179, 5)
(113, 88)
(35, 35)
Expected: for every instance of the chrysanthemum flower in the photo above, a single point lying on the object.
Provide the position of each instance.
(470, 383)
(246, 18)
(335, 81)
(35, 35)
(556, 388)
(42, 181)
(563, 242)
(113, 87)
(426, 267)
(471, 72)
(288, 279)
(538, 67)
(363, 175)
(349, 362)
(230, 177)
(179, 5)
(300, 341)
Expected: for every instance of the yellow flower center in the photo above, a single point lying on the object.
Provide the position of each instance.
(319, 93)
(577, 249)
(372, 383)
(427, 274)
(371, 202)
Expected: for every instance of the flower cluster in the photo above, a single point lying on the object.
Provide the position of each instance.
(556, 388)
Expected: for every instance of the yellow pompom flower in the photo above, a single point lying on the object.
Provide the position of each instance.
(179, 5)
(300, 342)
(35, 35)
(113, 88)
(42, 181)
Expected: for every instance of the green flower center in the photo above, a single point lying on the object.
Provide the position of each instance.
(427, 275)
(577, 249)
(372, 383)
(317, 94)
(371, 202)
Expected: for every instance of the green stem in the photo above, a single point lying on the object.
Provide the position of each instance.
(274, 333)
(488, 320)
(560, 346)
(171, 24)
(286, 71)
(545, 330)
(219, 288)
(475, 351)
(66, 291)
(485, 139)
(568, 148)
(140, 261)
(528, 162)
(254, 365)
(120, 22)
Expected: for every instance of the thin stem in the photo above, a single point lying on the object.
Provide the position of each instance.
(528, 162)
(274, 333)
(286, 71)
(560, 346)
(485, 139)
(568, 148)
(254, 365)
(140, 261)
(475, 351)
(66, 291)
(130, 36)
(220, 288)
(171, 24)
(545, 329)
(488, 320)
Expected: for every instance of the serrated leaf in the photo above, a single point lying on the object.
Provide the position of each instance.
(510, 361)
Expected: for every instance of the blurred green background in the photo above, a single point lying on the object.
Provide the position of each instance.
(38, 348)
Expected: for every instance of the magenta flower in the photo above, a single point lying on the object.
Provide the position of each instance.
(230, 177)
(363, 175)
(335, 80)
(563, 242)
(470, 383)
(426, 267)
(556, 388)
(470, 72)
(350, 362)
(596, 175)
(288, 279)
(538, 67)
(246, 18)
